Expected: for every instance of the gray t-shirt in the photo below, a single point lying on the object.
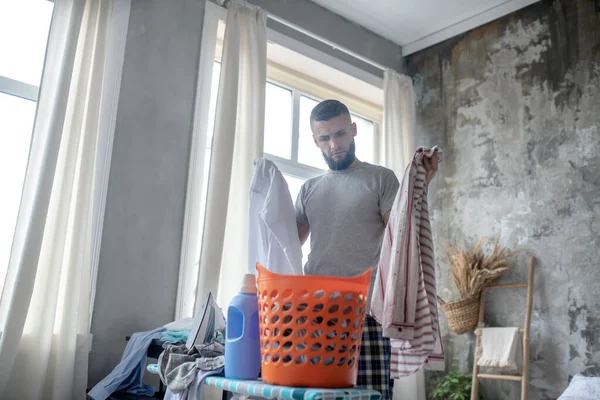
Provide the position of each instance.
(344, 211)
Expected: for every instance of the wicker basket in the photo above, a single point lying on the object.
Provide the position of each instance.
(462, 315)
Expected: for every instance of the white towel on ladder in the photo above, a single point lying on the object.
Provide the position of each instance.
(499, 349)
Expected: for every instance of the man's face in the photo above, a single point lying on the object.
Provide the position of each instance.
(335, 138)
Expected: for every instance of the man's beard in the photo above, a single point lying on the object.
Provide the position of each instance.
(343, 163)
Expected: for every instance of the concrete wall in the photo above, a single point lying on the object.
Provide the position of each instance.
(515, 105)
(139, 258)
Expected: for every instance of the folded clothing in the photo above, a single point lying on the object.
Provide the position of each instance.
(174, 337)
(499, 349)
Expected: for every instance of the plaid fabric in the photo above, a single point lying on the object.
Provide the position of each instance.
(374, 362)
(178, 365)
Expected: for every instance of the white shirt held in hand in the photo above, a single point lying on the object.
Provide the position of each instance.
(272, 231)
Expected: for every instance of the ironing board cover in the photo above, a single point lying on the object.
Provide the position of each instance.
(261, 389)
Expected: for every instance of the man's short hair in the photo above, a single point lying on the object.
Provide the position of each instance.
(328, 109)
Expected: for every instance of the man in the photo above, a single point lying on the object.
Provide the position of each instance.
(346, 210)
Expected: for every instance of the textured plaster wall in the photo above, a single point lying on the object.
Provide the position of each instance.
(515, 104)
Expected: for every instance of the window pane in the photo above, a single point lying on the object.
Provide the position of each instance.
(212, 108)
(306, 251)
(16, 124)
(203, 195)
(308, 153)
(24, 28)
(295, 184)
(278, 121)
(278, 117)
(364, 139)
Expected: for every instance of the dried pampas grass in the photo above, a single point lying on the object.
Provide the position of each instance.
(473, 270)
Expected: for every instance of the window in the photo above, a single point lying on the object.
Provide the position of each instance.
(278, 121)
(298, 77)
(306, 147)
(21, 66)
(289, 99)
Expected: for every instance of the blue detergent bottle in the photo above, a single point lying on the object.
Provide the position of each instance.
(242, 341)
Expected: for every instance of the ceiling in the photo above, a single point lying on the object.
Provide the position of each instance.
(417, 24)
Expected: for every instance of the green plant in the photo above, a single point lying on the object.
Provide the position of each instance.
(454, 386)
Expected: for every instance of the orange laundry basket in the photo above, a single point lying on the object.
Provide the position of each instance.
(311, 328)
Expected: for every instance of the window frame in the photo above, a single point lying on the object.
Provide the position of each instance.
(18, 89)
(292, 166)
(192, 229)
(301, 85)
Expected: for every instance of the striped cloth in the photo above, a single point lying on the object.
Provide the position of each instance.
(404, 295)
(266, 391)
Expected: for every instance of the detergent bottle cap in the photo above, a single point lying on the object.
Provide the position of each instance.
(248, 284)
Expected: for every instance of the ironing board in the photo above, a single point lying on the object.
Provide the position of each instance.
(261, 389)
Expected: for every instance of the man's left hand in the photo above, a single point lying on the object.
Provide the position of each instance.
(431, 167)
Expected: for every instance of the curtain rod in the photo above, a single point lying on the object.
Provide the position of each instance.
(325, 41)
(225, 3)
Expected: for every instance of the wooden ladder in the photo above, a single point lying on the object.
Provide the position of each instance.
(524, 378)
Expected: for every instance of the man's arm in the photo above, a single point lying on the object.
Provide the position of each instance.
(303, 231)
(387, 192)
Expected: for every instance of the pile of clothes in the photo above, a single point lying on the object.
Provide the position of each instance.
(194, 348)
(192, 354)
(183, 369)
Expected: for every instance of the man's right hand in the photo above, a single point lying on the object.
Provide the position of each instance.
(431, 167)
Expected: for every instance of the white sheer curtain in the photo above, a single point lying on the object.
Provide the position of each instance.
(45, 304)
(398, 146)
(237, 142)
(399, 115)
